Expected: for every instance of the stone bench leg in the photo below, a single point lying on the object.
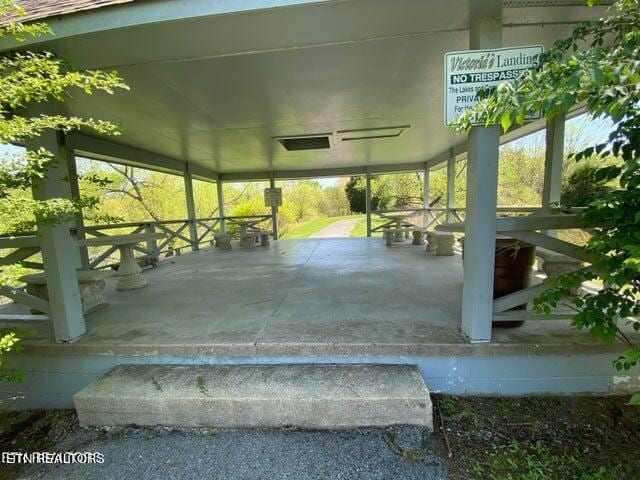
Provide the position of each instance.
(441, 244)
(388, 237)
(224, 243)
(264, 239)
(418, 237)
(247, 240)
(444, 246)
(129, 272)
(557, 268)
(431, 245)
(398, 236)
(92, 296)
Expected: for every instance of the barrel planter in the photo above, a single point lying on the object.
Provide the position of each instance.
(512, 272)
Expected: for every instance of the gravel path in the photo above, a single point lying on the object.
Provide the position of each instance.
(139, 453)
(336, 230)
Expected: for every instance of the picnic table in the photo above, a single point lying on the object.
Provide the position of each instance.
(245, 225)
(250, 233)
(129, 272)
(398, 218)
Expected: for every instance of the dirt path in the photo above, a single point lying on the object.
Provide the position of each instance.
(335, 230)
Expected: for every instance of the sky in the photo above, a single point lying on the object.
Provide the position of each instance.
(580, 131)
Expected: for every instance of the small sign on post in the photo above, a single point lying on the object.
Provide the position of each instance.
(465, 73)
(273, 197)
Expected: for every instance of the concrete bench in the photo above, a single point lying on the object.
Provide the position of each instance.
(418, 236)
(555, 264)
(223, 240)
(394, 235)
(91, 284)
(263, 237)
(248, 240)
(440, 243)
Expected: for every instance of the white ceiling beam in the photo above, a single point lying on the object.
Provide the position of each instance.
(322, 172)
(127, 15)
(109, 151)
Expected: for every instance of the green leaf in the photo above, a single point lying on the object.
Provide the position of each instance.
(506, 121)
(635, 400)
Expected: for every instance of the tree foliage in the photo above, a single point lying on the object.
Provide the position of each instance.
(27, 79)
(598, 66)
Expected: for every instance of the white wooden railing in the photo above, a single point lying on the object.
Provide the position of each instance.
(20, 248)
(429, 218)
(532, 229)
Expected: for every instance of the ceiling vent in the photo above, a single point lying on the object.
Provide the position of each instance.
(371, 133)
(305, 142)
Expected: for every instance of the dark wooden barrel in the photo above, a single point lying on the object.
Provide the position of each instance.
(512, 272)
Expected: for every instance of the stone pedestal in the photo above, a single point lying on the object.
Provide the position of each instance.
(264, 238)
(223, 241)
(431, 244)
(248, 240)
(398, 235)
(388, 236)
(556, 264)
(91, 284)
(129, 272)
(418, 237)
(440, 243)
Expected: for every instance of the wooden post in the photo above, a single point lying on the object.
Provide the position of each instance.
(59, 252)
(152, 245)
(220, 190)
(554, 156)
(553, 160)
(75, 194)
(274, 209)
(367, 182)
(425, 195)
(191, 209)
(451, 187)
(485, 31)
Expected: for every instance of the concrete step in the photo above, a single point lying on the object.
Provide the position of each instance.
(257, 396)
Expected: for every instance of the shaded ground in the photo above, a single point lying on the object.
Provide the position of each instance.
(533, 438)
(336, 230)
(550, 438)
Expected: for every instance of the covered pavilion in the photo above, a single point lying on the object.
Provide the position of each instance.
(269, 90)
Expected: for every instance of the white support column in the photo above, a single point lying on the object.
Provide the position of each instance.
(59, 252)
(191, 209)
(274, 210)
(451, 187)
(425, 195)
(367, 190)
(74, 187)
(554, 157)
(485, 31)
(220, 190)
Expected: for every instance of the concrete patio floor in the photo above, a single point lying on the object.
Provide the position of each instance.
(348, 296)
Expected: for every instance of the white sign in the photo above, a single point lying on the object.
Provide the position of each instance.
(467, 72)
(272, 197)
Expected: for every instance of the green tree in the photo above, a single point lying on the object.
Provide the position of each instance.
(26, 79)
(357, 197)
(580, 187)
(597, 66)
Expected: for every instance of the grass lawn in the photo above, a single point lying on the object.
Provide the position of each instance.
(360, 228)
(308, 228)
